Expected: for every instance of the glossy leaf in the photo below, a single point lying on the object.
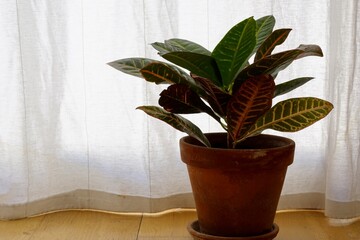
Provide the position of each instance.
(269, 65)
(163, 48)
(176, 121)
(234, 50)
(161, 72)
(310, 50)
(288, 86)
(275, 39)
(264, 27)
(180, 45)
(217, 98)
(251, 101)
(188, 46)
(274, 63)
(178, 98)
(226, 86)
(292, 115)
(199, 64)
(131, 66)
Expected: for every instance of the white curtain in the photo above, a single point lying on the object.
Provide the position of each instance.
(70, 136)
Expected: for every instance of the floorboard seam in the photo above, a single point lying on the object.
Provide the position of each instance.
(138, 231)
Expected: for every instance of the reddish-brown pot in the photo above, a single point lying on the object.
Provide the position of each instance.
(236, 191)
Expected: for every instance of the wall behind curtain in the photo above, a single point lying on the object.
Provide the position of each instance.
(70, 136)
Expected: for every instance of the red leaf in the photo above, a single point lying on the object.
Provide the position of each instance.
(178, 98)
(252, 100)
(217, 98)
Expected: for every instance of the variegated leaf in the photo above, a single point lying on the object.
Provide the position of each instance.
(310, 50)
(252, 100)
(187, 46)
(216, 97)
(292, 115)
(276, 38)
(272, 64)
(163, 48)
(180, 45)
(269, 65)
(131, 66)
(264, 27)
(199, 64)
(162, 72)
(176, 121)
(234, 50)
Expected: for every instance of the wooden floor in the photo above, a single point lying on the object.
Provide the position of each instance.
(89, 225)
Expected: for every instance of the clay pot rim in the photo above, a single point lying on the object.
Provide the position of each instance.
(190, 141)
(267, 153)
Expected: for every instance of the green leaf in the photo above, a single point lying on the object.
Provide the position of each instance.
(292, 115)
(288, 86)
(264, 27)
(163, 48)
(234, 50)
(131, 66)
(180, 45)
(199, 64)
(162, 72)
(251, 101)
(187, 46)
(275, 39)
(176, 121)
(178, 98)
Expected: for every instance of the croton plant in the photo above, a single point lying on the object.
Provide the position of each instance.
(234, 84)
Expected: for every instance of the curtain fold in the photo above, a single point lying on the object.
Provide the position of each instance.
(70, 136)
(343, 156)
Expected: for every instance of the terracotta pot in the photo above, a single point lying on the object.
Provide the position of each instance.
(236, 191)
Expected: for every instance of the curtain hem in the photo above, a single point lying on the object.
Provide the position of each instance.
(97, 200)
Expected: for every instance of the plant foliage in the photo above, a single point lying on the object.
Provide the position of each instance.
(223, 84)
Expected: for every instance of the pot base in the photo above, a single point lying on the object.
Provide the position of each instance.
(194, 230)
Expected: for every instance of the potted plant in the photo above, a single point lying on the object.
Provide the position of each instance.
(237, 175)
